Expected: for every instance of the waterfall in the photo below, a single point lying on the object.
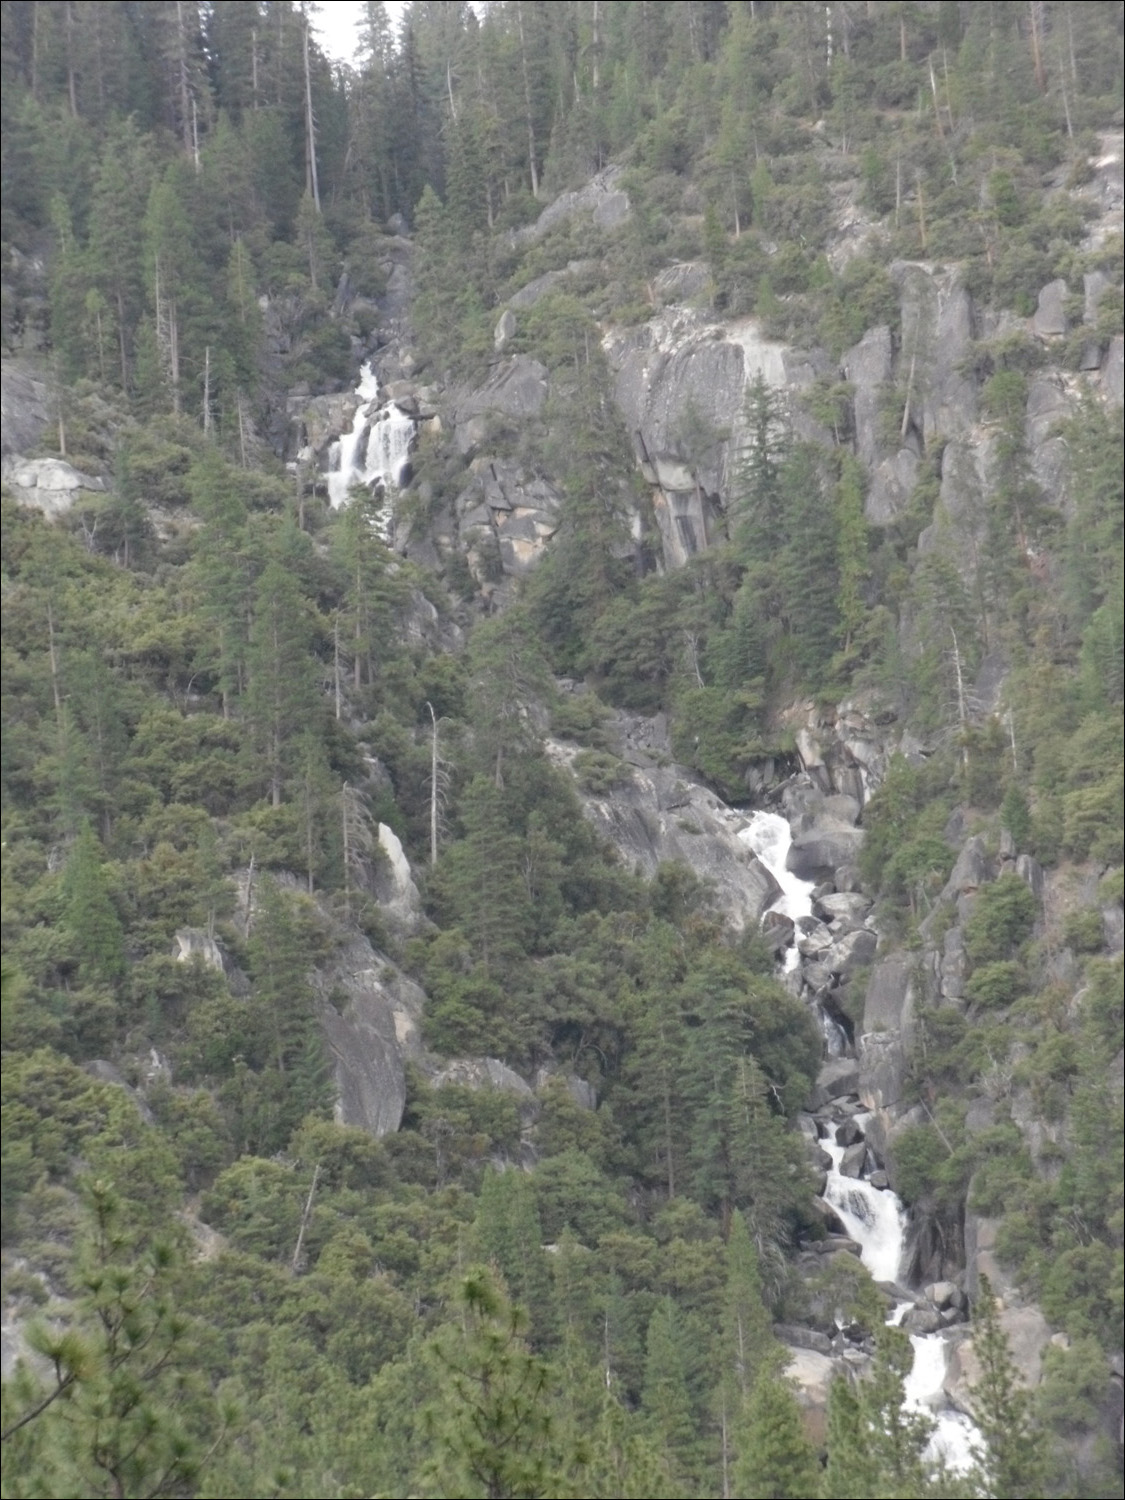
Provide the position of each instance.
(875, 1219)
(768, 835)
(376, 450)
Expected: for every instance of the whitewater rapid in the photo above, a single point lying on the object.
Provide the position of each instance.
(875, 1219)
(376, 450)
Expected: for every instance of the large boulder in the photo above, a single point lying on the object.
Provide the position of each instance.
(972, 870)
(1050, 320)
(812, 1373)
(484, 1073)
(369, 1015)
(848, 908)
(603, 198)
(817, 853)
(49, 484)
(192, 943)
(851, 952)
(1028, 1334)
(836, 1079)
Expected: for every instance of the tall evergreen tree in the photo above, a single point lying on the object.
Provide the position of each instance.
(89, 914)
(489, 1433)
(1014, 1456)
(776, 1461)
(281, 696)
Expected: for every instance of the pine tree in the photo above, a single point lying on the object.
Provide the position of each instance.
(88, 913)
(281, 698)
(665, 1397)
(851, 553)
(120, 191)
(749, 1347)
(223, 573)
(484, 877)
(775, 1460)
(510, 1235)
(373, 585)
(121, 1413)
(1014, 1457)
(489, 1433)
(876, 1447)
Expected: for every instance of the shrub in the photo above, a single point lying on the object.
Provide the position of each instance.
(1001, 920)
(997, 985)
(1084, 931)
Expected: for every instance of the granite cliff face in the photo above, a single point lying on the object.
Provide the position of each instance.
(680, 380)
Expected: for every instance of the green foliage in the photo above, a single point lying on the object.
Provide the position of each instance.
(489, 1430)
(1001, 920)
(775, 1461)
(996, 985)
(875, 1446)
(88, 913)
(122, 1412)
(204, 672)
(1013, 1458)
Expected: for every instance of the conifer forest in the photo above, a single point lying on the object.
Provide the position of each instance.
(562, 749)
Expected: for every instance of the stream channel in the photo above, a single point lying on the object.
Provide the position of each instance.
(873, 1217)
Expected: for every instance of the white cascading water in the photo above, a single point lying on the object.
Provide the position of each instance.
(376, 450)
(875, 1219)
(768, 836)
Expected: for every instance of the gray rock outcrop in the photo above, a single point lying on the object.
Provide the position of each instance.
(662, 814)
(394, 883)
(49, 484)
(26, 407)
(603, 198)
(836, 1080)
(1028, 1334)
(506, 514)
(192, 942)
(516, 389)
(484, 1073)
(680, 383)
(812, 1373)
(369, 1014)
(1050, 320)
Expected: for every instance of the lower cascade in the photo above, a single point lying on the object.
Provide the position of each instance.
(376, 450)
(875, 1219)
(872, 1216)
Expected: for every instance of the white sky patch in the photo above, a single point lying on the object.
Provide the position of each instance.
(336, 22)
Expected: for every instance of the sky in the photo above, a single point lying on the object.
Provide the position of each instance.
(336, 23)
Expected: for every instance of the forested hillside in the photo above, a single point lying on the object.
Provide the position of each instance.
(562, 711)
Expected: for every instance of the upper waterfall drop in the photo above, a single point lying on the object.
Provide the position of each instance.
(769, 836)
(376, 450)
